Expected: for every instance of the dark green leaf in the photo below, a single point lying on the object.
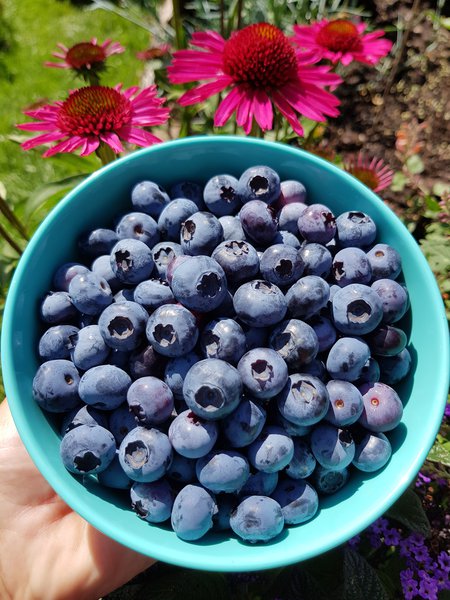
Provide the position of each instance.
(48, 195)
(440, 453)
(305, 586)
(361, 581)
(408, 511)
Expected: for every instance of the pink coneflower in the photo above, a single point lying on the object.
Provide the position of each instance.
(153, 52)
(262, 68)
(372, 172)
(85, 57)
(96, 115)
(342, 40)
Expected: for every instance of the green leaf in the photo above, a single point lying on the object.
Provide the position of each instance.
(305, 586)
(408, 511)
(432, 203)
(440, 453)
(173, 583)
(361, 581)
(440, 188)
(399, 182)
(415, 165)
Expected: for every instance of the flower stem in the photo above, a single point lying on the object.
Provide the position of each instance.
(105, 153)
(4, 208)
(92, 78)
(5, 235)
(178, 24)
(256, 130)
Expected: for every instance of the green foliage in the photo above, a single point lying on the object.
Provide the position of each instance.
(409, 512)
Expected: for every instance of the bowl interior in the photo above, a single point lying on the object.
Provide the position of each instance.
(106, 194)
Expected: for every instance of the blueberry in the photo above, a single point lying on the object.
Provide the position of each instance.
(199, 284)
(122, 325)
(65, 273)
(152, 501)
(86, 415)
(149, 197)
(121, 422)
(304, 399)
(289, 215)
(98, 241)
(56, 342)
(325, 332)
(272, 450)
(317, 259)
(139, 226)
(192, 512)
(258, 221)
(238, 259)
(224, 339)
(150, 400)
(190, 190)
(221, 196)
(385, 261)
(298, 501)
(173, 216)
(104, 387)
(226, 503)
(191, 436)
(355, 228)
(395, 368)
(131, 261)
(295, 341)
(200, 234)
(264, 372)
(281, 264)
(256, 337)
(163, 254)
(329, 481)
(317, 224)
(260, 484)
(369, 373)
(212, 388)
(182, 470)
(372, 452)
(303, 461)
(292, 191)
(346, 404)
(383, 409)
(332, 447)
(86, 449)
(347, 358)
(223, 471)
(175, 372)
(144, 362)
(357, 309)
(259, 183)
(145, 454)
(244, 424)
(172, 330)
(387, 340)
(259, 303)
(394, 298)
(307, 296)
(113, 476)
(125, 295)
(58, 308)
(257, 519)
(88, 348)
(351, 265)
(285, 237)
(292, 429)
(102, 268)
(152, 294)
(316, 368)
(232, 228)
(90, 293)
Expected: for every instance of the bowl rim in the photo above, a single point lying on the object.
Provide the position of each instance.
(187, 558)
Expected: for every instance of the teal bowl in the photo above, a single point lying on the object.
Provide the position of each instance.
(105, 194)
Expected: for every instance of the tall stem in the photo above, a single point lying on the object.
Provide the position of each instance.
(105, 153)
(4, 208)
(178, 24)
(5, 235)
(239, 14)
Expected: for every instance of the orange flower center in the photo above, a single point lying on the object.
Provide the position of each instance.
(366, 176)
(84, 55)
(260, 55)
(93, 110)
(339, 36)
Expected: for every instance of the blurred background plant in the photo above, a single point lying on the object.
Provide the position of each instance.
(391, 133)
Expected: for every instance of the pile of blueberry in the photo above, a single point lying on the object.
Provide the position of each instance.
(225, 353)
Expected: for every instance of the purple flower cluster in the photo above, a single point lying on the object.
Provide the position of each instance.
(424, 576)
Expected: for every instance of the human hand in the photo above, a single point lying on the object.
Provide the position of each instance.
(48, 552)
